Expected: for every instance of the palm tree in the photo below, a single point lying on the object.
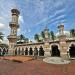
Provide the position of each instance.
(36, 37)
(26, 40)
(49, 34)
(1, 35)
(72, 32)
(42, 34)
(21, 39)
(52, 35)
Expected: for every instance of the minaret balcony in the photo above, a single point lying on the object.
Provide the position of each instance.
(12, 37)
(13, 24)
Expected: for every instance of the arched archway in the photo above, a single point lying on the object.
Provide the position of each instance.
(41, 51)
(72, 50)
(22, 51)
(4, 51)
(26, 51)
(35, 51)
(0, 51)
(16, 51)
(19, 51)
(30, 51)
(55, 51)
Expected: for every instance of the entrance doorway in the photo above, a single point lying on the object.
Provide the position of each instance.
(72, 50)
(55, 51)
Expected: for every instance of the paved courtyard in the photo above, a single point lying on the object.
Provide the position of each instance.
(35, 67)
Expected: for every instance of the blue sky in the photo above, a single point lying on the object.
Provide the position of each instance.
(36, 14)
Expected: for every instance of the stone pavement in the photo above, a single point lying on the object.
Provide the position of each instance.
(56, 60)
(35, 67)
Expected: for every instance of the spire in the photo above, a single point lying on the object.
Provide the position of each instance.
(46, 28)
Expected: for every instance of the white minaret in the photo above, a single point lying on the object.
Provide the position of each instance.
(13, 32)
(61, 29)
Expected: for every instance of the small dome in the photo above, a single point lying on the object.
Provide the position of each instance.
(15, 11)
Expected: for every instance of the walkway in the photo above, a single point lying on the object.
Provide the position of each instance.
(35, 67)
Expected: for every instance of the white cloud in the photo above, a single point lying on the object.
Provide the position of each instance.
(57, 18)
(19, 30)
(21, 20)
(2, 26)
(53, 17)
(1, 17)
(29, 30)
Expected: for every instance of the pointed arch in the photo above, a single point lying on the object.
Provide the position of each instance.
(19, 51)
(54, 50)
(35, 51)
(22, 51)
(26, 51)
(72, 50)
(30, 51)
(16, 51)
(41, 51)
(0, 51)
(3, 51)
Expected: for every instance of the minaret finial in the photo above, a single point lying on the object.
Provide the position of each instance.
(46, 27)
(15, 5)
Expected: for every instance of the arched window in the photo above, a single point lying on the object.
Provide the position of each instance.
(41, 51)
(26, 51)
(30, 51)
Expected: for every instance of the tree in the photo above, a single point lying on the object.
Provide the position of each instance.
(26, 40)
(36, 37)
(42, 34)
(49, 34)
(72, 32)
(52, 35)
(1, 35)
(21, 39)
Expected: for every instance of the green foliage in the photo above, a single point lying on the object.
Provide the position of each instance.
(52, 35)
(36, 37)
(72, 32)
(43, 34)
(41, 37)
(22, 39)
(1, 36)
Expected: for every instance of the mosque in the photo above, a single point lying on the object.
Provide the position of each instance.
(62, 47)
